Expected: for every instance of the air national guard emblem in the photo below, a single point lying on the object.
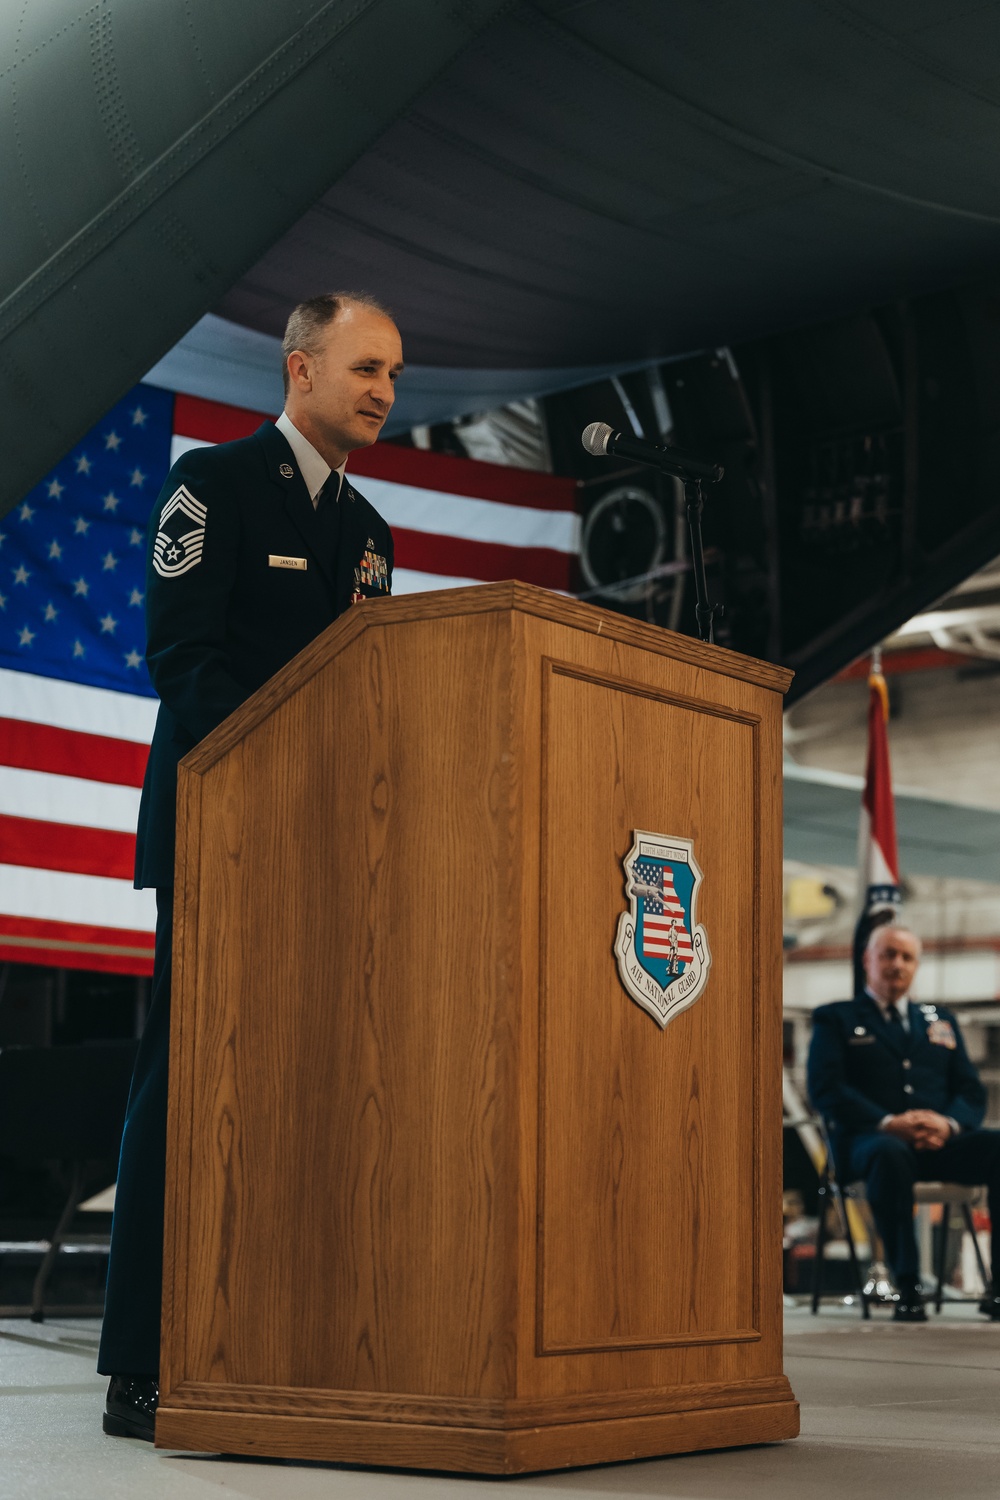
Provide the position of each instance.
(663, 956)
(180, 535)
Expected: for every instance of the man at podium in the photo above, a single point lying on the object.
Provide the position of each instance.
(255, 547)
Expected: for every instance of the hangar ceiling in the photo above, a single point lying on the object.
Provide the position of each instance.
(152, 151)
(595, 182)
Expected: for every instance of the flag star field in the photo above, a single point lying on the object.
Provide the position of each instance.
(73, 554)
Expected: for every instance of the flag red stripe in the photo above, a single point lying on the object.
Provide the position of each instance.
(70, 958)
(212, 421)
(68, 752)
(463, 476)
(72, 945)
(489, 562)
(64, 846)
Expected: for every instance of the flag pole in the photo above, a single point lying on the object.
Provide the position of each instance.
(879, 892)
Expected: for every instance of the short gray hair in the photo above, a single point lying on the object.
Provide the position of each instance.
(304, 329)
(890, 926)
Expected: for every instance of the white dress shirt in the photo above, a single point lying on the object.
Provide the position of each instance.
(902, 1006)
(312, 465)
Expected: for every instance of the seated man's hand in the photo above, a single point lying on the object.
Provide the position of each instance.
(923, 1129)
(933, 1130)
(903, 1126)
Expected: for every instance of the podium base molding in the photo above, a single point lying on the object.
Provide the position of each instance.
(477, 1450)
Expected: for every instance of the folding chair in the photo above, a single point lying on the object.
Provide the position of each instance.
(832, 1191)
(952, 1195)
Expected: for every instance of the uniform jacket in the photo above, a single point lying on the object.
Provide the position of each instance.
(862, 1067)
(221, 615)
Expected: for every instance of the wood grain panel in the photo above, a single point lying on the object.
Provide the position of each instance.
(344, 1097)
(645, 1146)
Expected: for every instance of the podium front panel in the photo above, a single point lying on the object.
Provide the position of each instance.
(647, 1222)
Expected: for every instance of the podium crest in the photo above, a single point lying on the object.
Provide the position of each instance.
(663, 955)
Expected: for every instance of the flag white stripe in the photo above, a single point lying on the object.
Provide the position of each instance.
(872, 862)
(410, 581)
(180, 445)
(94, 900)
(71, 705)
(68, 799)
(437, 514)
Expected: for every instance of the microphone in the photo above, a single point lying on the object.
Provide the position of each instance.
(603, 441)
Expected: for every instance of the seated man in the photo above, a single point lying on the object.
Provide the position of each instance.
(892, 1078)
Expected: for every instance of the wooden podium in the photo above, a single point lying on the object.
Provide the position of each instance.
(440, 1194)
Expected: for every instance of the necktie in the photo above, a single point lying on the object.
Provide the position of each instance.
(328, 516)
(899, 1026)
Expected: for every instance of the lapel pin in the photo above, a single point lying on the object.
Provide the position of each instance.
(286, 471)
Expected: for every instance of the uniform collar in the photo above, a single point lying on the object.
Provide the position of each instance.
(313, 466)
(902, 1006)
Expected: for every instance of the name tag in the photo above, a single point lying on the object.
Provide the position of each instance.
(860, 1041)
(286, 562)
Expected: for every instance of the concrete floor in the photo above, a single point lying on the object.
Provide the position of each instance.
(897, 1413)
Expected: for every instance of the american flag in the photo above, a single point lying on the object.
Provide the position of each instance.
(662, 916)
(76, 704)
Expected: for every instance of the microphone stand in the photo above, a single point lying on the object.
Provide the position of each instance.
(704, 612)
(694, 474)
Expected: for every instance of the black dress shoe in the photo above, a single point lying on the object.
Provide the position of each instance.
(909, 1309)
(131, 1407)
(991, 1307)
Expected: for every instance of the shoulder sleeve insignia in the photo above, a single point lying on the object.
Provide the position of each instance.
(180, 535)
(942, 1034)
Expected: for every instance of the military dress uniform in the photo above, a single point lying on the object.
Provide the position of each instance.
(865, 1065)
(244, 570)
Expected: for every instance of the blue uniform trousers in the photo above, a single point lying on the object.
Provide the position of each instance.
(130, 1339)
(890, 1167)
